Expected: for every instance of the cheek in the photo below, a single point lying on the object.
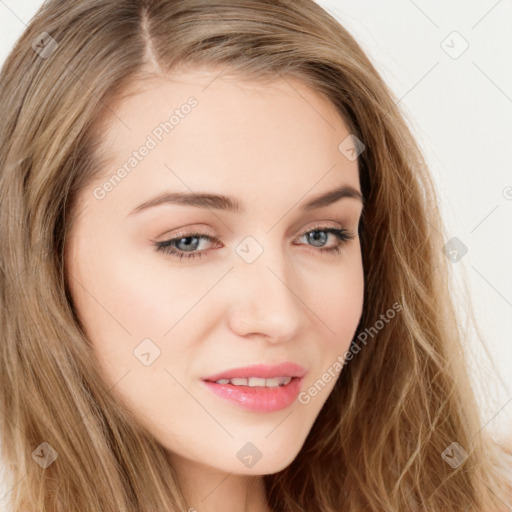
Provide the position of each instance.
(122, 294)
(115, 301)
(133, 303)
(345, 308)
(337, 300)
(125, 312)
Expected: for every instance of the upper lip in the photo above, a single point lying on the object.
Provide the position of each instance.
(265, 371)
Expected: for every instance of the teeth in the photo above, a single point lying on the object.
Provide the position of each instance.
(238, 382)
(257, 382)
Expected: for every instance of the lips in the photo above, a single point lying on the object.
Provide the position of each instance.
(286, 369)
(254, 387)
(258, 399)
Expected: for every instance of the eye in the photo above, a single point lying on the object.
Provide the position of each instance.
(188, 242)
(320, 234)
(187, 245)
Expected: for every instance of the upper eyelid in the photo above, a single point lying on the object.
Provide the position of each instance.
(183, 233)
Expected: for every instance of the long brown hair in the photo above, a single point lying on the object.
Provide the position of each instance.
(398, 405)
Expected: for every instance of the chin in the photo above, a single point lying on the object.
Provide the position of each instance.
(271, 461)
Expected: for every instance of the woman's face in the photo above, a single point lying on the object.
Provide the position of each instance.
(237, 287)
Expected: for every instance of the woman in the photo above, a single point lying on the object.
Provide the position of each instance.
(222, 278)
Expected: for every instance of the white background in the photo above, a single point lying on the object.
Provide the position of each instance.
(460, 110)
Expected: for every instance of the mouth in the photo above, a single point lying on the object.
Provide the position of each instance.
(262, 391)
(256, 382)
(259, 375)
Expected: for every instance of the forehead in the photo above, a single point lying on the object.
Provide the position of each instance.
(239, 135)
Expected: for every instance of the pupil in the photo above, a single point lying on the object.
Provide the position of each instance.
(188, 240)
(317, 235)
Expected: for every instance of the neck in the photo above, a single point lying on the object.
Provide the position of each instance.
(208, 489)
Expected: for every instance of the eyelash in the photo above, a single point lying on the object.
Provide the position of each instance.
(165, 246)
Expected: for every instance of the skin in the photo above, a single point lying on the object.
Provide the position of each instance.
(273, 146)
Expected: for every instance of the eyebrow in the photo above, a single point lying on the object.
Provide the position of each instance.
(231, 204)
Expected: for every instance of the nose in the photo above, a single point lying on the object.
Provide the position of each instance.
(266, 300)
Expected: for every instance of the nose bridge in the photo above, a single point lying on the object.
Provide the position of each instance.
(266, 300)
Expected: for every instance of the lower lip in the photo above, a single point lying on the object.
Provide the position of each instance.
(260, 399)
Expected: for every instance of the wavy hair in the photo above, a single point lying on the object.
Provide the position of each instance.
(378, 441)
